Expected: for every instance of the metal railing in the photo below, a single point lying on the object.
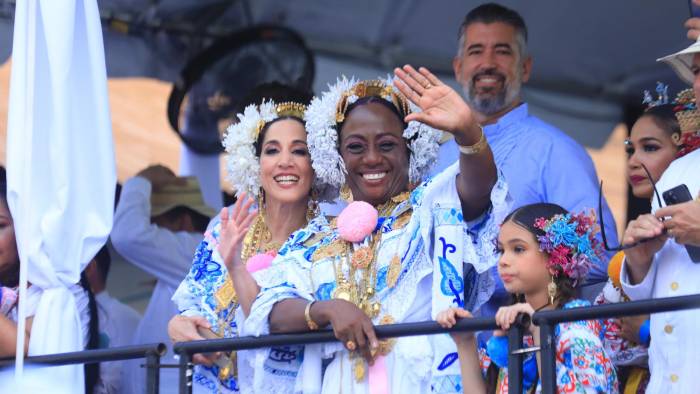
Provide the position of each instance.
(546, 320)
(150, 352)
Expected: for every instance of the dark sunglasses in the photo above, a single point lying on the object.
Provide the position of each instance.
(602, 225)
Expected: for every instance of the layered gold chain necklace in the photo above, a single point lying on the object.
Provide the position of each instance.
(362, 291)
(258, 239)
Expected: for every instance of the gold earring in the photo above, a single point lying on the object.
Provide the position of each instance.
(261, 199)
(552, 290)
(676, 139)
(346, 193)
(312, 210)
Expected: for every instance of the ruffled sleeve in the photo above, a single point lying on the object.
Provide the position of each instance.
(196, 294)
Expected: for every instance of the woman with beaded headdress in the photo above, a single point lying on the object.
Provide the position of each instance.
(403, 250)
(268, 161)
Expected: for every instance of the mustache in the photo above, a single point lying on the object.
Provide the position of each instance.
(489, 73)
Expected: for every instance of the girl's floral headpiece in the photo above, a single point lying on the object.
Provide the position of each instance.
(570, 240)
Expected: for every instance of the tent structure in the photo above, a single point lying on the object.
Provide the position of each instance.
(591, 61)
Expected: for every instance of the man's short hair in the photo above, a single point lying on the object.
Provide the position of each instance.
(491, 13)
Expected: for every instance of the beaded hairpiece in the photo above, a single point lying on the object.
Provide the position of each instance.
(240, 138)
(327, 112)
(371, 88)
(570, 242)
(662, 96)
(686, 112)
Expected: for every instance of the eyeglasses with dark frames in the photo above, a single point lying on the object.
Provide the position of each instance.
(602, 225)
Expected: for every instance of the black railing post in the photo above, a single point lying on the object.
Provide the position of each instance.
(547, 358)
(515, 359)
(152, 373)
(185, 369)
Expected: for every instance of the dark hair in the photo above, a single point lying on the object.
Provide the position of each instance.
(11, 277)
(491, 13)
(199, 221)
(92, 370)
(370, 100)
(665, 118)
(263, 132)
(103, 262)
(278, 93)
(525, 217)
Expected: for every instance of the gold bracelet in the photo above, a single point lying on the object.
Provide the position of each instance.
(307, 315)
(476, 148)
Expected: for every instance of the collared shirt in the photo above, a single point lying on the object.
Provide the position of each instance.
(673, 357)
(541, 164)
(117, 325)
(165, 254)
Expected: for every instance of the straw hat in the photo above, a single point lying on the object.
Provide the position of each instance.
(682, 61)
(187, 194)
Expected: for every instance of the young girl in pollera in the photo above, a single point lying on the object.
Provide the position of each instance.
(545, 253)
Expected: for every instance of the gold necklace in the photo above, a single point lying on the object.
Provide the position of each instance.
(258, 239)
(364, 259)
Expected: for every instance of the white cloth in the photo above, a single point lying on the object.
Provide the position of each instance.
(673, 361)
(61, 172)
(81, 302)
(117, 325)
(165, 254)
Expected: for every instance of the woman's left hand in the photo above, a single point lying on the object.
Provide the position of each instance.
(441, 107)
(506, 315)
(234, 226)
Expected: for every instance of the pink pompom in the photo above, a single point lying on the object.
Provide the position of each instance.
(260, 261)
(357, 221)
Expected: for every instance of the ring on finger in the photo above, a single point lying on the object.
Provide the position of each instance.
(428, 86)
(350, 345)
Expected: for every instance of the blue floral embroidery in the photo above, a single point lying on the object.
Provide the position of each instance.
(325, 291)
(451, 283)
(203, 265)
(447, 361)
(381, 278)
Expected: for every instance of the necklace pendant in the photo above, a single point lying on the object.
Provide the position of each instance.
(359, 369)
(362, 258)
(342, 292)
(392, 275)
(225, 295)
(376, 308)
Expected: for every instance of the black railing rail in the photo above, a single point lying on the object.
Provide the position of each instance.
(547, 320)
(187, 349)
(151, 352)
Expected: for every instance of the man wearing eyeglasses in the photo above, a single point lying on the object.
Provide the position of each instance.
(662, 262)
